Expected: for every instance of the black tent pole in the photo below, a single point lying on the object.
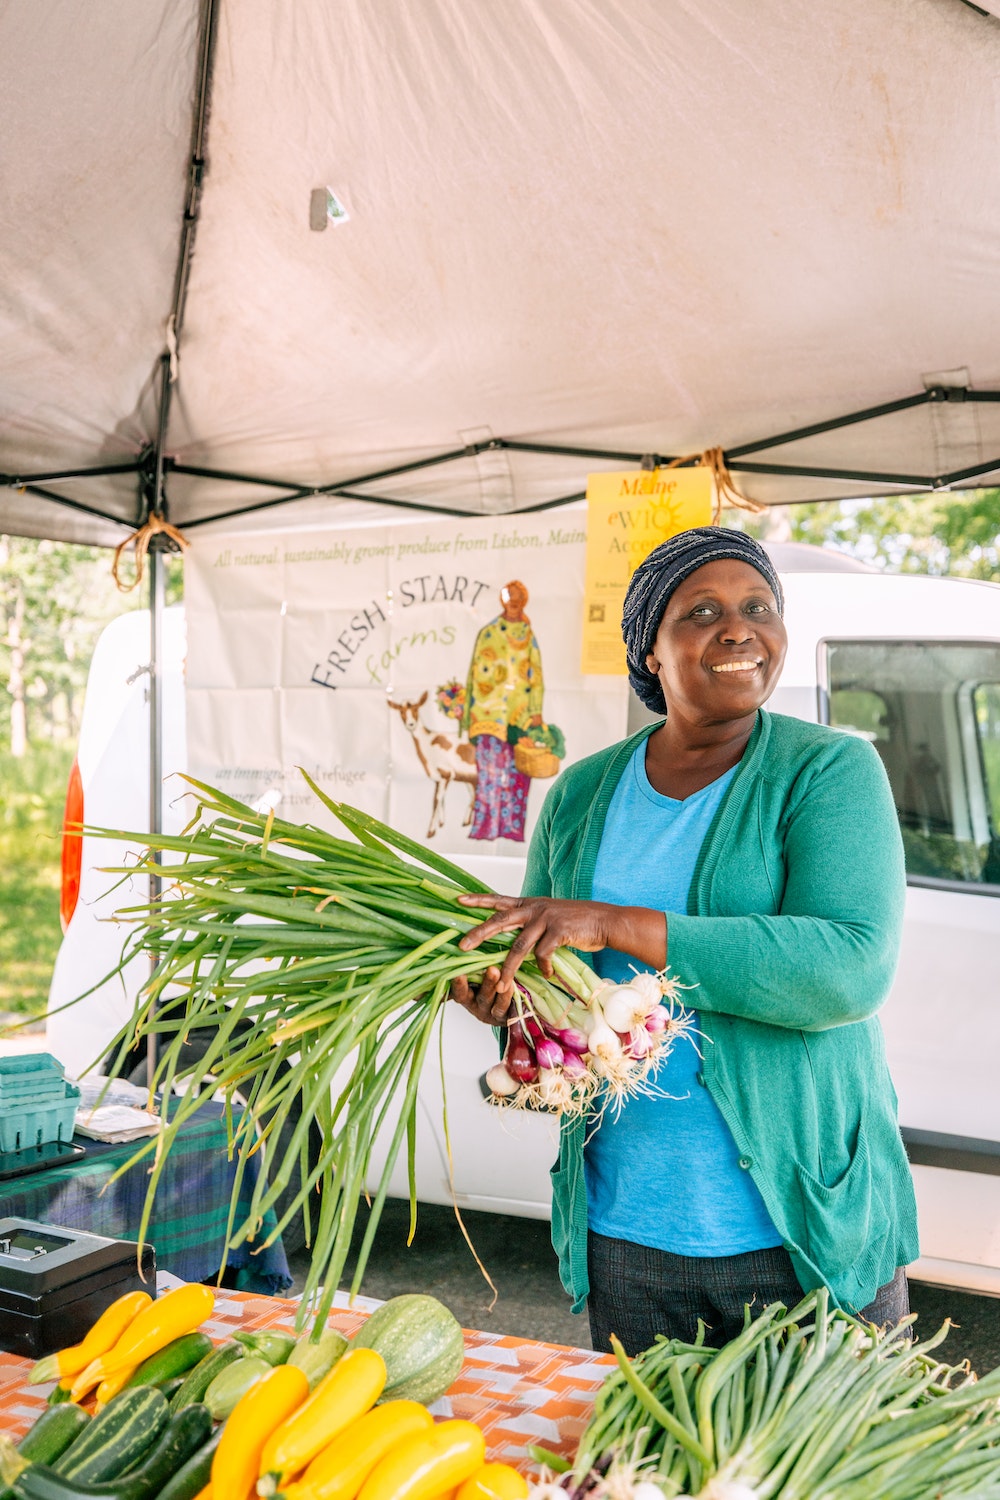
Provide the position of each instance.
(155, 500)
(157, 597)
(156, 600)
(156, 603)
(153, 478)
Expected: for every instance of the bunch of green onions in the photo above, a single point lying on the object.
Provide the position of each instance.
(320, 967)
(803, 1405)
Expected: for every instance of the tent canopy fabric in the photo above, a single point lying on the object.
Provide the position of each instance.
(605, 225)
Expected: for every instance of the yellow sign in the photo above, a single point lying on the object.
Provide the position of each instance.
(627, 516)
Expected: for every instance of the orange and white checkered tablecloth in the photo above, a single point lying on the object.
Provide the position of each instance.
(520, 1392)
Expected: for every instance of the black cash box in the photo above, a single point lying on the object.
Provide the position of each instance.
(55, 1283)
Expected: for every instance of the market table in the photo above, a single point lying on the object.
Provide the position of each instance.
(519, 1391)
(188, 1224)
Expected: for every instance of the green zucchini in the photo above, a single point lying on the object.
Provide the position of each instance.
(177, 1358)
(421, 1343)
(52, 1433)
(317, 1358)
(186, 1434)
(58, 1394)
(50, 1436)
(128, 1426)
(192, 1477)
(274, 1347)
(198, 1380)
(233, 1383)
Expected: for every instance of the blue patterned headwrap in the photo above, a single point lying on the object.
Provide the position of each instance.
(654, 581)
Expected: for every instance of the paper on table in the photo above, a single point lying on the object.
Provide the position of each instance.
(115, 1123)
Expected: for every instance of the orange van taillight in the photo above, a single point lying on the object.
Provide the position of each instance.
(72, 847)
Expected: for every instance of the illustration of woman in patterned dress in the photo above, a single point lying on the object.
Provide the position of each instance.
(504, 689)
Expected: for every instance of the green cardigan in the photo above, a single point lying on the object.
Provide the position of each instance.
(791, 937)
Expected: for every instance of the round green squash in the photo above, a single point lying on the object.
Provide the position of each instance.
(421, 1343)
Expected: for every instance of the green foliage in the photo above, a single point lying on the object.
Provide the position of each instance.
(55, 599)
(956, 534)
(32, 794)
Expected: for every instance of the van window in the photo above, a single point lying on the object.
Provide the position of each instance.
(932, 711)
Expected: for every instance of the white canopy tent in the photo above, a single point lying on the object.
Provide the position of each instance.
(579, 233)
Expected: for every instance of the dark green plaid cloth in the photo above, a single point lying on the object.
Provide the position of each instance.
(188, 1224)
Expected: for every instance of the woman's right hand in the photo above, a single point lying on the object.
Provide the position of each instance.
(542, 924)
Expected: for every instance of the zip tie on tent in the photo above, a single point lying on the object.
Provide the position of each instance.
(172, 346)
(140, 540)
(724, 491)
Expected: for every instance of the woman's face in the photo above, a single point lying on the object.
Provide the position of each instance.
(721, 644)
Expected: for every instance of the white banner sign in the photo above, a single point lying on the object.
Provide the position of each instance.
(427, 673)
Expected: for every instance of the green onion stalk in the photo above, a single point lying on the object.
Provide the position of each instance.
(807, 1404)
(319, 967)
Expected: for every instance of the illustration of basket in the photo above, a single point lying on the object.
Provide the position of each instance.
(535, 760)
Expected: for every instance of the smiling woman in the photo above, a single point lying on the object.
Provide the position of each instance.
(760, 857)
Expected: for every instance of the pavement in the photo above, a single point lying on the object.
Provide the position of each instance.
(532, 1304)
(517, 1253)
(975, 1334)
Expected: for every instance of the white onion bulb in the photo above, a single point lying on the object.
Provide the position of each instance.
(499, 1081)
(647, 987)
(618, 1009)
(647, 1490)
(604, 1041)
(624, 1007)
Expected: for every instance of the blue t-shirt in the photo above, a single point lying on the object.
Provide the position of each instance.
(666, 1172)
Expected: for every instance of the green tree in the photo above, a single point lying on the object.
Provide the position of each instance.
(941, 533)
(55, 599)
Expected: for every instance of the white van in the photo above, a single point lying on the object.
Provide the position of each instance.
(913, 665)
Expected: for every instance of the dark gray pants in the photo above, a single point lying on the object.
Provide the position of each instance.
(637, 1293)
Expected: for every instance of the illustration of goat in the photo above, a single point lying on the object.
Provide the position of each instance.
(444, 757)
